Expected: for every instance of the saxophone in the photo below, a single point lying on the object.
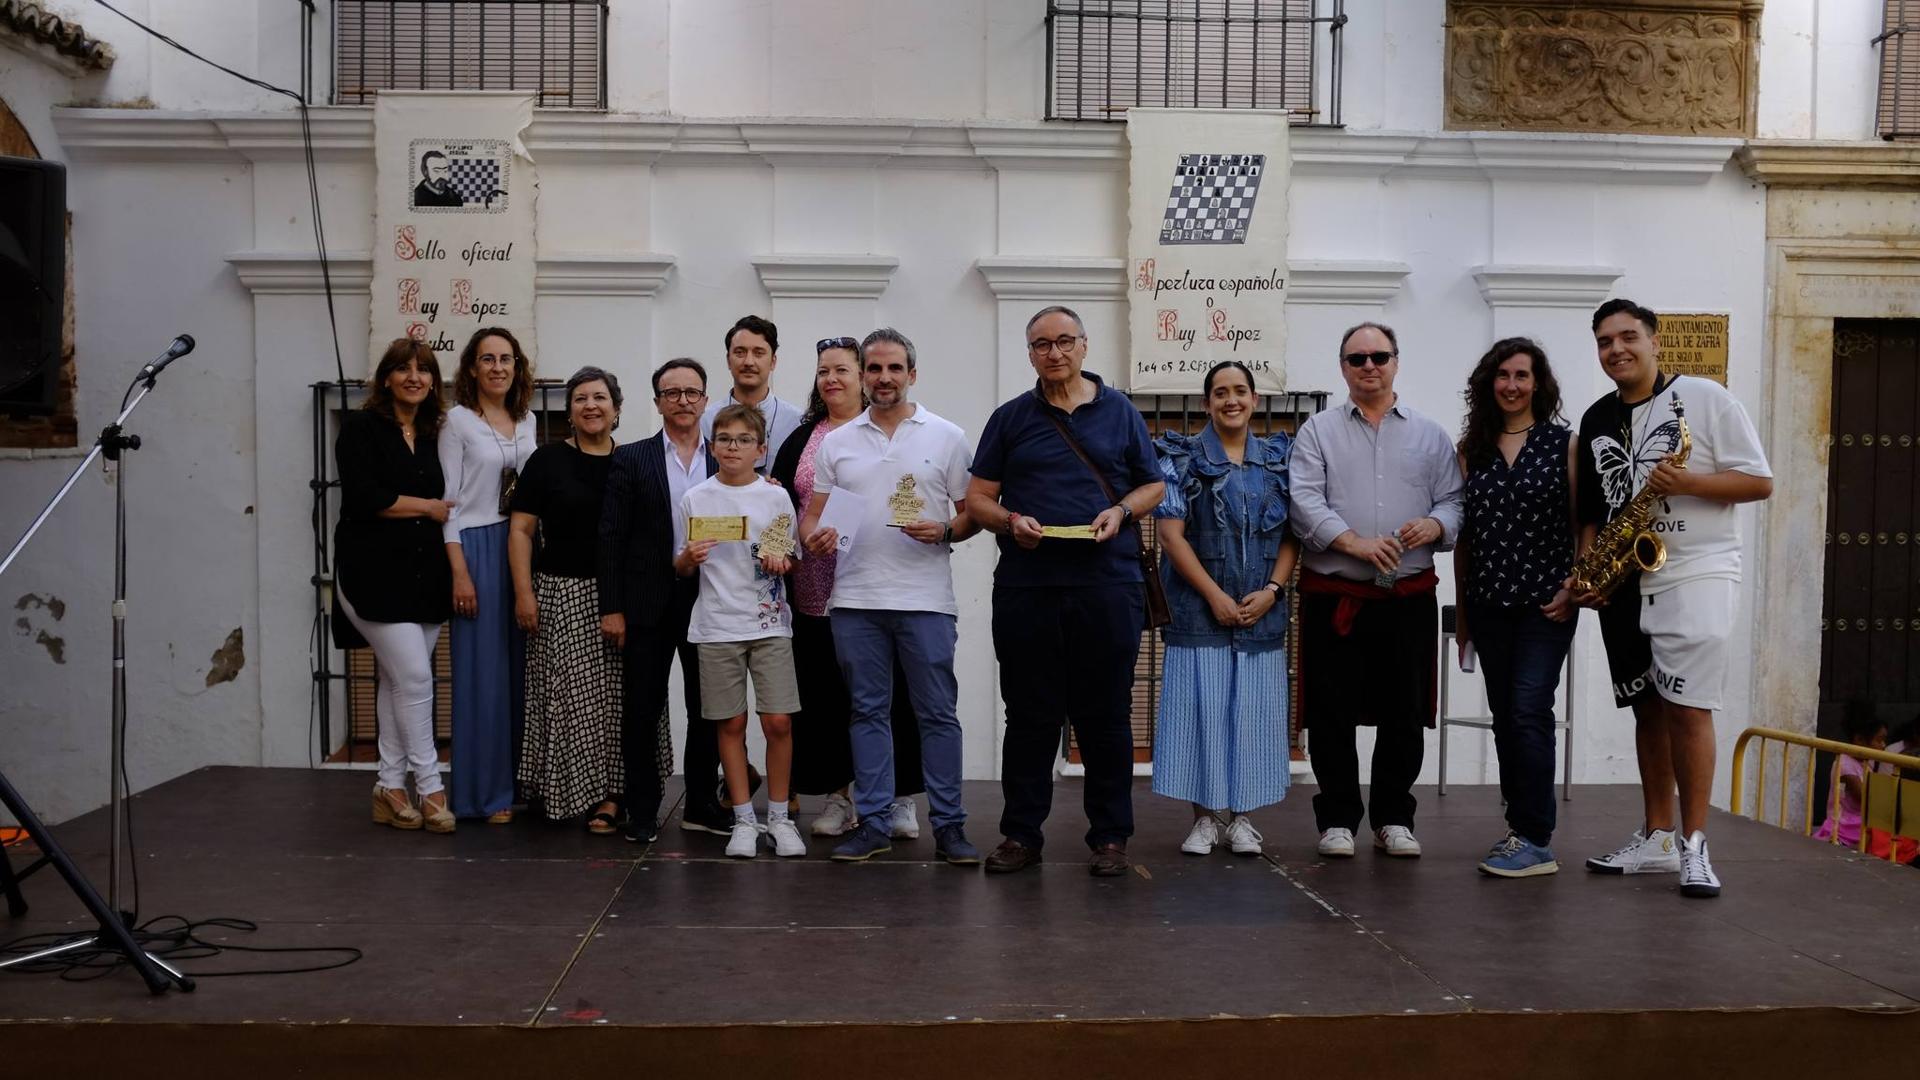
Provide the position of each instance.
(1627, 542)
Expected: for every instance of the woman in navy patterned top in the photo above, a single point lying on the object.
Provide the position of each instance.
(1510, 566)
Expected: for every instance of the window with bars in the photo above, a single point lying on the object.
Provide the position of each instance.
(1899, 42)
(1105, 56)
(556, 48)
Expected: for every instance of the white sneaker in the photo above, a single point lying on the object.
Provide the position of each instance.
(902, 824)
(1243, 837)
(786, 838)
(1205, 834)
(838, 819)
(746, 840)
(1697, 878)
(1337, 843)
(1398, 841)
(1657, 852)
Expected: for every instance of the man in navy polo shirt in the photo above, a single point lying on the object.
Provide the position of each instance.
(1067, 611)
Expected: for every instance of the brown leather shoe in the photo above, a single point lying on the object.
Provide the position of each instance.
(1012, 856)
(1109, 860)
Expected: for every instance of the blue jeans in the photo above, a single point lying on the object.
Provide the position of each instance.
(868, 642)
(1521, 654)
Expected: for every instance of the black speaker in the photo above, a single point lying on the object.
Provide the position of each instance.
(33, 276)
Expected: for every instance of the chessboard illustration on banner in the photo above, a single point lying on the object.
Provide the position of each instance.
(470, 176)
(1212, 198)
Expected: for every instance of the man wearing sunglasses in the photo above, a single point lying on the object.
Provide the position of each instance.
(753, 349)
(1067, 610)
(1376, 491)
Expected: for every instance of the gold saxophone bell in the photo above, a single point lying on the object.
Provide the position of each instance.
(1648, 552)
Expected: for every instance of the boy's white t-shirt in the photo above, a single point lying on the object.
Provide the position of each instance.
(739, 601)
(1702, 536)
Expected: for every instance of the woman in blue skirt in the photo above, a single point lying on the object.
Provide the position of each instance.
(485, 442)
(1221, 742)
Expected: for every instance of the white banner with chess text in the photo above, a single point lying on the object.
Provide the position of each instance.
(1206, 245)
(453, 220)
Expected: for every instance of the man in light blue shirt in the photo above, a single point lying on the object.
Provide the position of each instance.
(753, 350)
(1376, 491)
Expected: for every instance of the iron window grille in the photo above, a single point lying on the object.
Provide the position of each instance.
(556, 48)
(1105, 56)
(1899, 42)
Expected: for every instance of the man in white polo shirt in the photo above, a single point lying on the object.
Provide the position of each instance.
(893, 591)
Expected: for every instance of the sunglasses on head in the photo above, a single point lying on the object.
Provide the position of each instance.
(1360, 359)
(826, 343)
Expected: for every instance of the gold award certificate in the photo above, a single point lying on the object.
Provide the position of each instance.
(1067, 532)
(717, 528)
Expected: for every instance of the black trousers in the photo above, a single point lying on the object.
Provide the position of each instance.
(1066, 657)
(649, 667)
(1380, 673)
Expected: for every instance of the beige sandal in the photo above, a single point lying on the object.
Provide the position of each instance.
(390, 807)
(433, 809)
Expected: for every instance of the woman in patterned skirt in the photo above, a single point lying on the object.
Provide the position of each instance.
(570, 749)
(1221, 742)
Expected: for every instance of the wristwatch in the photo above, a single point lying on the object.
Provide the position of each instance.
(1126, 514)
(1275, 587)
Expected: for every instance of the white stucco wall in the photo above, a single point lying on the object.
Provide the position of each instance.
(919, 142)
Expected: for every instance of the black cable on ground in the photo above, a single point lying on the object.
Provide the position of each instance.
(171, 938)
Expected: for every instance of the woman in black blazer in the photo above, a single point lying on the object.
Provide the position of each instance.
(391, 577)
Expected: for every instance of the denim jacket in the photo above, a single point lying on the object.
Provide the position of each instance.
(1236, 519)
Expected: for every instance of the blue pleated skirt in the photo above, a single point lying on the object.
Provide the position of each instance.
(1221, 736)
(489, 670)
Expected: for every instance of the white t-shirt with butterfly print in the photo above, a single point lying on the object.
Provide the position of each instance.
(1621, 444)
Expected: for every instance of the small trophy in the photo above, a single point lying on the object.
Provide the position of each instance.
(905, 503)
(777, 539)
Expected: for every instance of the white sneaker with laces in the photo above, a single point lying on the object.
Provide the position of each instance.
(1397, 840)
(1337, 843)
(786, 838)
(1697, 878)
(1657, 852)
(1242, 837)
(837, 819)
(1205, 834)
(746, 840)
(902, 823)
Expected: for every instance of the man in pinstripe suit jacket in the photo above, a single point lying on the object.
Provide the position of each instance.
(644, 606)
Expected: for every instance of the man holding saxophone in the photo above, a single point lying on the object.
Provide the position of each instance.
(1672, 455)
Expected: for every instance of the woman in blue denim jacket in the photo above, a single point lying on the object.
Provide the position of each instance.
(1221, 742)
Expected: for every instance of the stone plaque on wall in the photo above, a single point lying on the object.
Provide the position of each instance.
(1694, 345)
(1667, 67)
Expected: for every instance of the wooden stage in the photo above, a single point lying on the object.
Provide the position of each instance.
(535, 949)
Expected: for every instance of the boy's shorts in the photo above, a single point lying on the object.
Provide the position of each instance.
(1690, 628)
(1629, 653)
(725, 666)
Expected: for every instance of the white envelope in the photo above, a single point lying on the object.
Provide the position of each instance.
(845, 511)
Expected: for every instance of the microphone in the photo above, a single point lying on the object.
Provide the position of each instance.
(181, 346)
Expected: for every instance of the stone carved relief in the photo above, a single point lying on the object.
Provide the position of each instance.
(1660, 68)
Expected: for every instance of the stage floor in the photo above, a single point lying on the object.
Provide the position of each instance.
(538, 925)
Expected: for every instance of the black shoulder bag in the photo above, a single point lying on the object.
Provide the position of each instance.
(1158, 614)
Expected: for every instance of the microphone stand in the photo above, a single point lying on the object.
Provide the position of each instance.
(115, 932)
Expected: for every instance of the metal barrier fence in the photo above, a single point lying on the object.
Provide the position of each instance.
(1890, 803)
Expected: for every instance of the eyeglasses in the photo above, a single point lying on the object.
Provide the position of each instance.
(826, 343)
(1041, 346)
(681, 394)
(744, 442)
(1359, 359)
